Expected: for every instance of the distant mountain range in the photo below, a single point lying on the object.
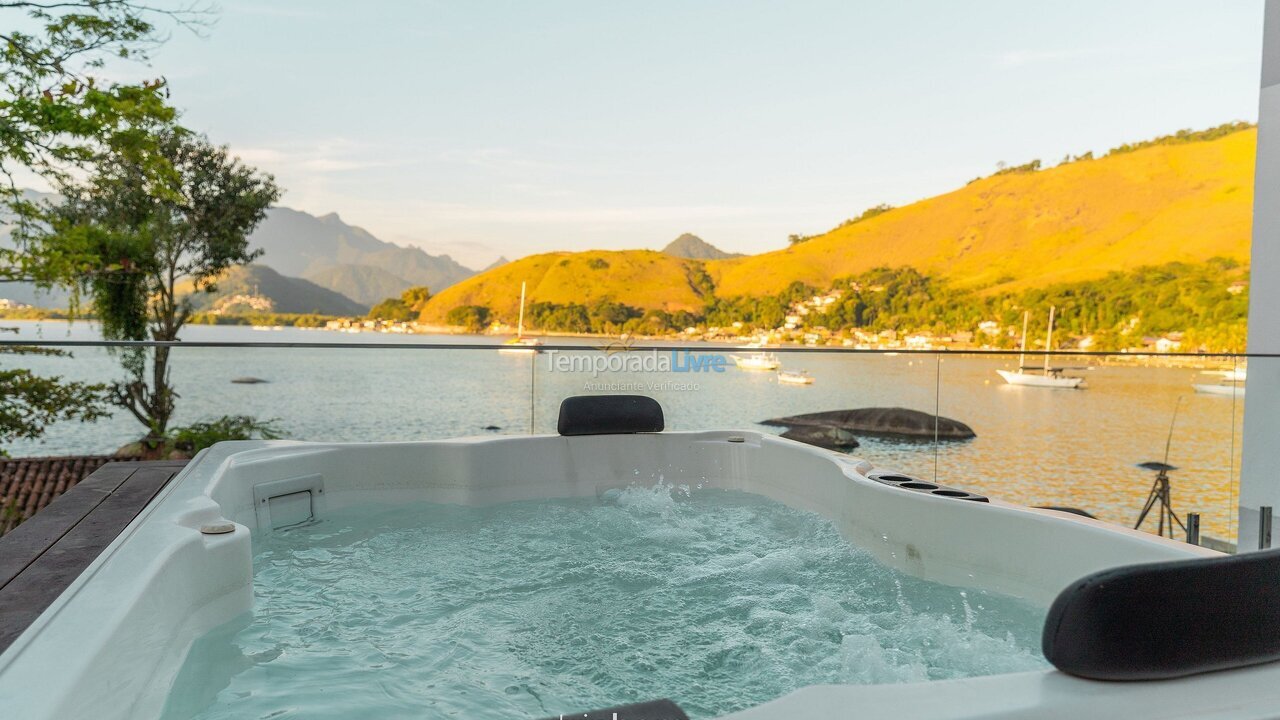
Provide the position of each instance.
(327, 252)
(348, 259)
(695, 248)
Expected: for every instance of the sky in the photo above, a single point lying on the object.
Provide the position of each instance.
(479, 128)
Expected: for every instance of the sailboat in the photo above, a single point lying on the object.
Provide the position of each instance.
(520, 344)
(1049, 377)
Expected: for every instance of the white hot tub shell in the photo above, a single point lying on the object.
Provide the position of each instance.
(111, 645)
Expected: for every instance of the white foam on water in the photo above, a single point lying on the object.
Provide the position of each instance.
(718, 600)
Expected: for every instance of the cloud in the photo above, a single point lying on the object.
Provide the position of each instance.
(333, 155)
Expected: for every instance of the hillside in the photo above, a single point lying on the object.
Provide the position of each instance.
(1168, 203)
(1160, 203)
(693, 247)
(287, 294)
(643, 278)
(365, 284)
(299, 244)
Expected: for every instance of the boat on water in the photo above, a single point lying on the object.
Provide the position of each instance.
(1228, 386)
(1229, 376)
(795, 377)
(521, 345)
(1048, 377)
(764, 361)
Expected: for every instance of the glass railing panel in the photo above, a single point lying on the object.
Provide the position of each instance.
(317, 386)
(1035, 446)
(1085, 447)
(705, 387)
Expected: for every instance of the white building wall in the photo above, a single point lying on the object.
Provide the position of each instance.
(1260, 469)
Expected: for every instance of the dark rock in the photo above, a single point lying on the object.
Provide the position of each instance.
(889, 422)
(492, 428)
(247, 380)
(831, 438)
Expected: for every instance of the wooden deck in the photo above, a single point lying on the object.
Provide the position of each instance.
(42, 556)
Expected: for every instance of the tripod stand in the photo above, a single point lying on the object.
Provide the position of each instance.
(1158, 499)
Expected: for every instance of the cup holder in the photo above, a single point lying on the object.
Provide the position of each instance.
(910, 484)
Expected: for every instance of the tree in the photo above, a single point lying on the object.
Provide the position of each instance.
(138, 236)
(472, 317)
(57, 111)
(392, 310)
(415, 298)
(30, 402)
(405, 308)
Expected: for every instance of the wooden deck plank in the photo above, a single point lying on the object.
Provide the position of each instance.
(68, 542)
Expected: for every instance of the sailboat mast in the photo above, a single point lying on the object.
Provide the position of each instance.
(520, 325)
(1048, 341)
(1022, 354)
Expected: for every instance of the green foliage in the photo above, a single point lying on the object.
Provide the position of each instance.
(29, 402)
(302, 320)
(392, 310)
(700, 280)
(59, 112)
(604, 317)
(1030, 167)
(198, 436)
(867, 214)
(1184, 136)
(1117, 310)
(598, 264)
(472, 317)
(415, 298)
(405, 308)
(135, 234)
(796, 239)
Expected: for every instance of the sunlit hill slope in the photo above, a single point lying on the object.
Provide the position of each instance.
(641, 278)
(1019, 229)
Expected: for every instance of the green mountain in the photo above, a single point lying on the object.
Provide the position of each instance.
(260, 288)
(693, 247)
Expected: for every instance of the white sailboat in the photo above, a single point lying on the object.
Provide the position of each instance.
(1049, 377)
(521, 345)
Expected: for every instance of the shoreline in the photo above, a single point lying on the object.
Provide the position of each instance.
(1201, 361)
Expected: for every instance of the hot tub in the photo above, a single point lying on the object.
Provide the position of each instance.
(115, 643)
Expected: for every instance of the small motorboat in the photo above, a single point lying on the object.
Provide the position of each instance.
(1226, 387)
(795, 377)
(767, 362)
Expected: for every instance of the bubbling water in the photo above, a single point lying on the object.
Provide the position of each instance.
(719, 600)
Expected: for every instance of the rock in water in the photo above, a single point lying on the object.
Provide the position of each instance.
(830, 438)
(889, 422)
(247, 380)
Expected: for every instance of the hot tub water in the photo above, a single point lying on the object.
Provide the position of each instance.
(719, 600)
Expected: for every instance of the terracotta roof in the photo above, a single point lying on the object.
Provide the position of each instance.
(29, 484)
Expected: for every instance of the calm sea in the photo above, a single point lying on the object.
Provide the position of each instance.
(1034, 446)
